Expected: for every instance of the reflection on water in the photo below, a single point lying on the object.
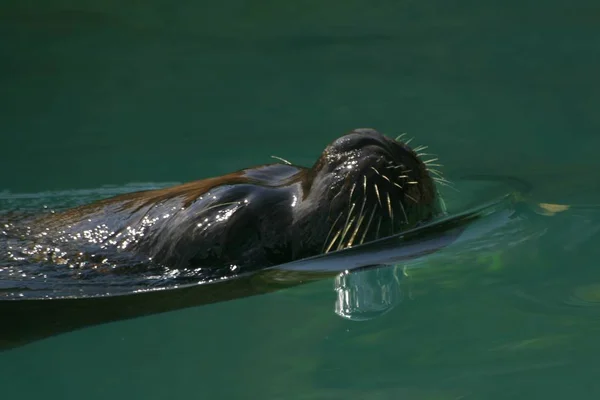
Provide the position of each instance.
(364, 295)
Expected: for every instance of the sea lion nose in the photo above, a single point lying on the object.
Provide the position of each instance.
(358, 139)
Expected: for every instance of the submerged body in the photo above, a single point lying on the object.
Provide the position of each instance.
(363, 187)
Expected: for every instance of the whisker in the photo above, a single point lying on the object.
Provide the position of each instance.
(443, 182)
(386, 178)
(377, 193)
(419, 148)
(346, 225)
(333, 241)
(352, 192)
(410, 197)
(440, 179)
(331, 230)
(413, 183)
(282, 159)
(349, 214)
(436, 174)
(403, 211)
(409, 140)
(435, 165)
(390, 211)
(378, 227)
(362, 239)
(430, 161)
(374, 169)
(361, 217)
(398, 186)
(346, 229)
(400, 136)
(451, 186)
(365, 185)
(358, 224)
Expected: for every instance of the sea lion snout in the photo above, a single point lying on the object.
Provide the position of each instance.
(358, 140)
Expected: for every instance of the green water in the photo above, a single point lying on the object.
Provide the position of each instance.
(114, 92)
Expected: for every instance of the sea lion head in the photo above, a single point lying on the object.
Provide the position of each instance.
(369, 186)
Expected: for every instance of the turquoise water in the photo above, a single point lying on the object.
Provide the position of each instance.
(114, 93)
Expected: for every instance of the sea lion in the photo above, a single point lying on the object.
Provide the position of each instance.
(364, 186)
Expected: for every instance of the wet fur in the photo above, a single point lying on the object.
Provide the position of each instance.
(363, 187)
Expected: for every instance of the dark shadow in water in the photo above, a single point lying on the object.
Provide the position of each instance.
(365, 287)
